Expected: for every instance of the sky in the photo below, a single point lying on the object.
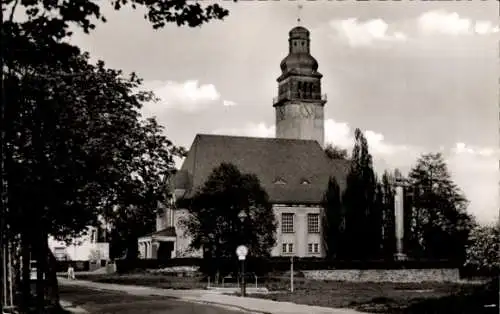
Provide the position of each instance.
(416, 77)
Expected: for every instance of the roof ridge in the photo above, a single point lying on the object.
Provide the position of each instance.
(254, 137)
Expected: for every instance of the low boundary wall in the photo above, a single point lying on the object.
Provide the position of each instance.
(385, 275)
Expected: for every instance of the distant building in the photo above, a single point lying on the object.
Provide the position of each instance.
(293, 167)
(84, 248)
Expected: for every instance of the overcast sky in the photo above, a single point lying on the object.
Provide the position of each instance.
(414, 76)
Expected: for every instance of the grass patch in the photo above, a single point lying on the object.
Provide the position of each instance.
(392, 298)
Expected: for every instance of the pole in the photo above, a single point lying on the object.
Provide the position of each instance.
(11, 275)
(291, 274)
(4, 275)
(3, 179)
(243, 288)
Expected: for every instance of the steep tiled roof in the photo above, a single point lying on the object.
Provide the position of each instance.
(285, 161)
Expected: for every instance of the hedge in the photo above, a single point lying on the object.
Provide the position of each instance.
(62, 266)
(262, 266)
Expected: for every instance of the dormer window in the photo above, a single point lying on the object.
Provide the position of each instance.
(279, 181)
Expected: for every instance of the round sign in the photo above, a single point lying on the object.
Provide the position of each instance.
(241, 251)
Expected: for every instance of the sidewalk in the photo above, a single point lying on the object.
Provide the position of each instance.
(68, 306)
(254, 305)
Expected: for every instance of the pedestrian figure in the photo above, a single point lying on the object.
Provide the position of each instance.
(71, 272)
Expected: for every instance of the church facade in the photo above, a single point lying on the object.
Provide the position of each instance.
(292, 167)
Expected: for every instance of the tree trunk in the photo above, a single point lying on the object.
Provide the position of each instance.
(26, 299)
(132, 248)
(52, 284)
(41, 271)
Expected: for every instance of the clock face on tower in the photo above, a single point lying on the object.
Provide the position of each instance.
(306, 111)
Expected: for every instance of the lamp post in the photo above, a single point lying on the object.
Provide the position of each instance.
(242, 252)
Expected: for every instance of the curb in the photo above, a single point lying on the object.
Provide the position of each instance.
(68, 306)
(74, 309)
(223, 305)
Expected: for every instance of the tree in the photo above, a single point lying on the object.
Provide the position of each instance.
(335, 152)
(376, 221)
(99, 157)
(55, 17)
(34, 54)
(359, 201)
(483, 249)
(40, 71)
(333, 217)
(440, 223)
(388, 218)
(213, 223)
(138, 199)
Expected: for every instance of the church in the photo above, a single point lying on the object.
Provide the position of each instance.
(292, 167)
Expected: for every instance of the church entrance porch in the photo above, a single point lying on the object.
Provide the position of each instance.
(159, 245)
(165, 250)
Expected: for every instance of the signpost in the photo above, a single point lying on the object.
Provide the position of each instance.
(242, 252)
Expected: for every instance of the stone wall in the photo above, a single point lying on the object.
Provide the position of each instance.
(385, 275)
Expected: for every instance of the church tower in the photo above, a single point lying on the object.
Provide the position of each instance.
(300, 104)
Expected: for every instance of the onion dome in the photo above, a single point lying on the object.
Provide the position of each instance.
(299, 57)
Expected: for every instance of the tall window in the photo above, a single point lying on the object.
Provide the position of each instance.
(287, 223)
(313, 223)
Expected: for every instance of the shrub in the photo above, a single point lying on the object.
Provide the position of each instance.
(482, 253)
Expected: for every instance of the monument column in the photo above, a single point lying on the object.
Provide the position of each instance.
(399, 222)
(399, 215)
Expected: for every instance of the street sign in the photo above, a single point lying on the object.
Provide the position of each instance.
(242, 252)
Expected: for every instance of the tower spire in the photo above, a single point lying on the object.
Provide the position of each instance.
(299, 8)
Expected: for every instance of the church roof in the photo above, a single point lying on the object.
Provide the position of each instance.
(291, 171)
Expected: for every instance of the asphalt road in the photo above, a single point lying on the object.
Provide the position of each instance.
(98, 301)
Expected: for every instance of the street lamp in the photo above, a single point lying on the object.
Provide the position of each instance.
(242, 252)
